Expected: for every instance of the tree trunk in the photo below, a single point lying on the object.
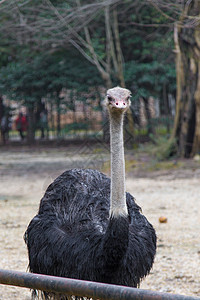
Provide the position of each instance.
(1, 115)
(31, 125)
(166, 108)
(114, 60)
(120, 73)
(187, 47)
(150, 128)
(196, 143)
(58, 116)
(129, 126)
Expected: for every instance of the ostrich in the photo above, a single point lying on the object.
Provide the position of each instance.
(87, 226)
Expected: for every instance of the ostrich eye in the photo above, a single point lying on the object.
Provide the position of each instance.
(109, 98)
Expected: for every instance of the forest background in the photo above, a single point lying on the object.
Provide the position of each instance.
(61, 56)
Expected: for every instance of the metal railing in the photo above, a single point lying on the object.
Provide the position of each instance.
(82, 288)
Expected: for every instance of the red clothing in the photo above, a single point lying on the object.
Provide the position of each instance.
(21, 123)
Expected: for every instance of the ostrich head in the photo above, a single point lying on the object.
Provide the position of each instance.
(118, 100)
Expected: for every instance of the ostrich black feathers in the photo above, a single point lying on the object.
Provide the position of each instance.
(73, 236)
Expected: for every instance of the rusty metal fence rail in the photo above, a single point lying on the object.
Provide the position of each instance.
(83, 288)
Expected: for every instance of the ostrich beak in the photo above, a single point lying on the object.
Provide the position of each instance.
(120, 104)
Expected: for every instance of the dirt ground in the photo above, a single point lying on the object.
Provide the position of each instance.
(172, 192)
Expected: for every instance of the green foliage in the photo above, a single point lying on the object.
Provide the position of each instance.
(30, 72)
(21, 82)
(147, 79)
(46, 74)
(164, 165)
(147, 47)
(162, 148)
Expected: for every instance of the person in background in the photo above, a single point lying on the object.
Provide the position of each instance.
(5, 127)
(43, 124)
(21, 125)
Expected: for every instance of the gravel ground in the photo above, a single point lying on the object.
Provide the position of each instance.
(172, 193)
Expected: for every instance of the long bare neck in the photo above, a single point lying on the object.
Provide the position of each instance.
(118, 193)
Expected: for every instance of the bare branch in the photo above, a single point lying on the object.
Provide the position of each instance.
(118, 49)
(109, 42)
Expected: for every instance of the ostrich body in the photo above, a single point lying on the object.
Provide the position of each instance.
(87, 226)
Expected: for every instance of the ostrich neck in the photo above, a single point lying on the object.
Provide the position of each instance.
(118, 194)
